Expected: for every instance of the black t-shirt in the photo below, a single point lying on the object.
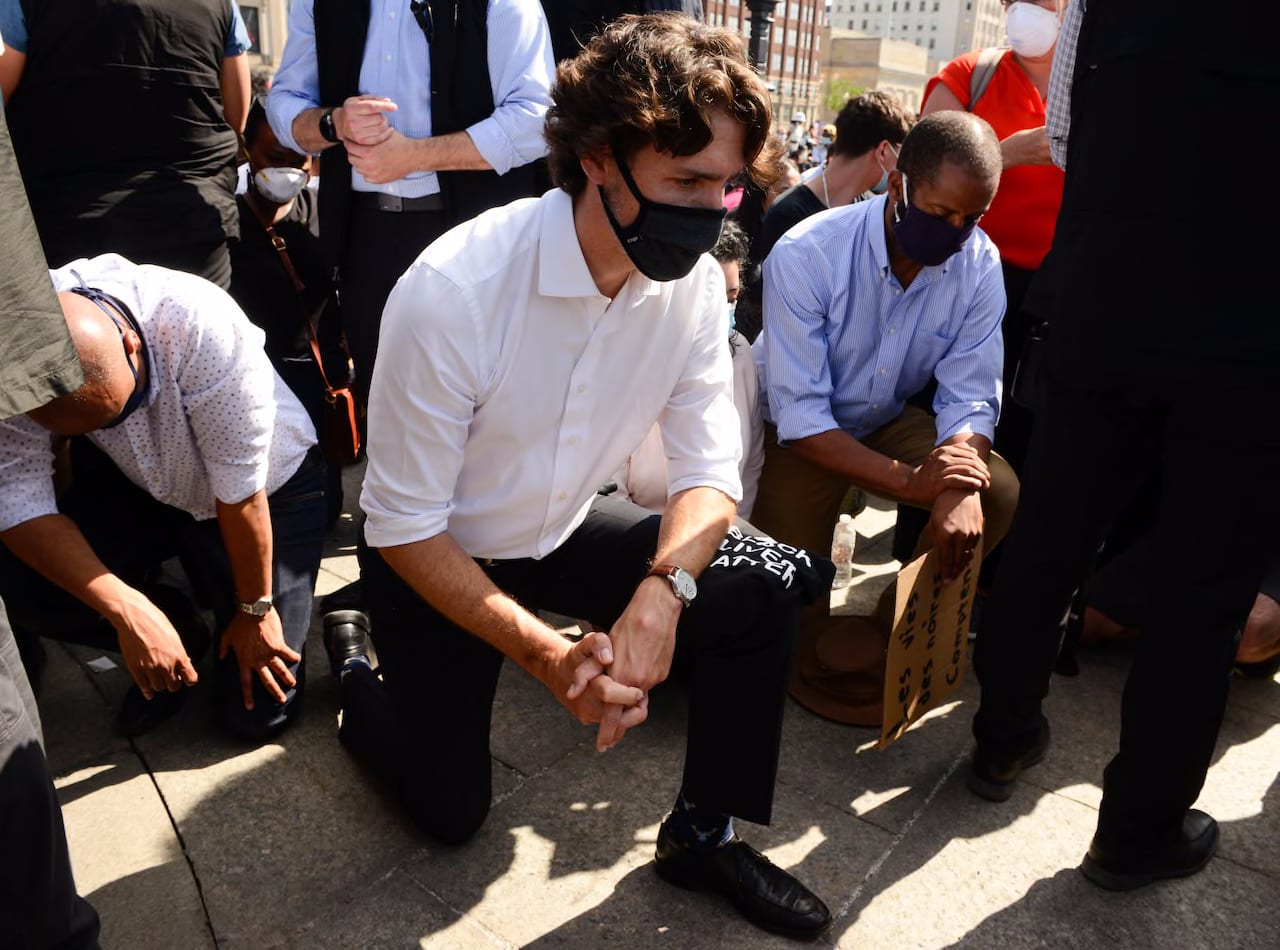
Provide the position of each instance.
(788, 209)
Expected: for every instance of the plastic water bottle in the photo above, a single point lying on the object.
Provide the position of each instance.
(842, 541)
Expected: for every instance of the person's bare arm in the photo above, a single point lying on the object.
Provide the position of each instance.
(955, 518)
(12, 64)
(53, 546)
(399, 156)
(694, 523)
(258, 642)
(450, 581)
(237, 91)
(954, 464)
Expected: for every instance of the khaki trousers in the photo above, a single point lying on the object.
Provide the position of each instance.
(797, 502)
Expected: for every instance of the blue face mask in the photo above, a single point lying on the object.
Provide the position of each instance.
(883, 185)
(101, 299)
(733, 320)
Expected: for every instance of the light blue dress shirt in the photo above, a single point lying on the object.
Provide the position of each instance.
(844, 345)
(397, 65)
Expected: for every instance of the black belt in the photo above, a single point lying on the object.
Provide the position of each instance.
(381, 201)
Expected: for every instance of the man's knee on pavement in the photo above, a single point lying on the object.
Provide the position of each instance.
(450, 817)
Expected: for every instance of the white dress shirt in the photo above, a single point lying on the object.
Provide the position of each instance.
(508, 389)
(217, 421)
(643, 478)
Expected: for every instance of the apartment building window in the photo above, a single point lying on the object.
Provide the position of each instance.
(932, 42)
(250, 16)
(935, 6)
(895, 6)
(864, 24)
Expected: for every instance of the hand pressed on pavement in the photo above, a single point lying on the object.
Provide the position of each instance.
(260, 650)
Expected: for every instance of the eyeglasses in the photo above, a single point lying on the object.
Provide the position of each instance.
(101, 298)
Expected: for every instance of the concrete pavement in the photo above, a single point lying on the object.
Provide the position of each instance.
(185, 839)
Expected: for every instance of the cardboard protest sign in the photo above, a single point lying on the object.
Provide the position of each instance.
(930, 641)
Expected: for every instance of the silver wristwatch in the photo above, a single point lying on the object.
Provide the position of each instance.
(682, 583)
(255, 608)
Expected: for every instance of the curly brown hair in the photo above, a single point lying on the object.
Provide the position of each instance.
(653, 79)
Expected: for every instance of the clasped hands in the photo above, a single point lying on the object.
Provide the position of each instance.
(374, 149)
(948, 483)
(605, 677)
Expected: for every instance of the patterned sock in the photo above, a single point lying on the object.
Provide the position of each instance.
(699, 827)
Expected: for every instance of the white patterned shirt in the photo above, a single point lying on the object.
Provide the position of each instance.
(508, 389)
(217, 421)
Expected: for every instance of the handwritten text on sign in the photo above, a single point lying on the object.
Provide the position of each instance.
(929, 643)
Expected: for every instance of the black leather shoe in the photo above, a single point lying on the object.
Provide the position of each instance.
(139, 715)
(346, 635)
(1124, 868)
(764, 893)
(993, 777)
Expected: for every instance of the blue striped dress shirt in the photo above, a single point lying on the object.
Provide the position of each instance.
(844, 345)
(397, 65)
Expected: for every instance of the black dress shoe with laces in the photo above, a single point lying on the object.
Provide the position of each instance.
(764, 893)
(1124, 867)
(346, 635)
(994, 776)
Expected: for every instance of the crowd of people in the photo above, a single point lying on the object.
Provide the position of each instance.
(608, 320)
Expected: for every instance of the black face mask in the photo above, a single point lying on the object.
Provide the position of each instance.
(101, 299)
(664, 241)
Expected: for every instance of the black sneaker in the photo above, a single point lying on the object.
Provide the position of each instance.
(346, 635)
(993, 776)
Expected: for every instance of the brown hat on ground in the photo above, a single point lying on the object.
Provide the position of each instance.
(838, 670)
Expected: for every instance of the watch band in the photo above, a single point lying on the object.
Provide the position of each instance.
(256, 608)
(682, 583)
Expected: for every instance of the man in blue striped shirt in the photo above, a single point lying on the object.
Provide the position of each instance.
(863, 306)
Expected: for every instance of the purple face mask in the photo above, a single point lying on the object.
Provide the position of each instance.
(926, 238)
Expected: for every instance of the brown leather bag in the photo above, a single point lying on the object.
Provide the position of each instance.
(339, 427)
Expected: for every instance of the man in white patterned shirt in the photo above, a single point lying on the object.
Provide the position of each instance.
(191, 446)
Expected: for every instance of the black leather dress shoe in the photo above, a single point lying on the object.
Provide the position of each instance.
(346, 635)
(764, 893)
(993, 776)
(1122, 868)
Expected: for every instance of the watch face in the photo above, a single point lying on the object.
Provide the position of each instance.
(686, 587)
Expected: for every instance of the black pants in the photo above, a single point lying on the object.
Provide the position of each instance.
(39, 906)
(425, 727)
(381, 246)
(1091, 451)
